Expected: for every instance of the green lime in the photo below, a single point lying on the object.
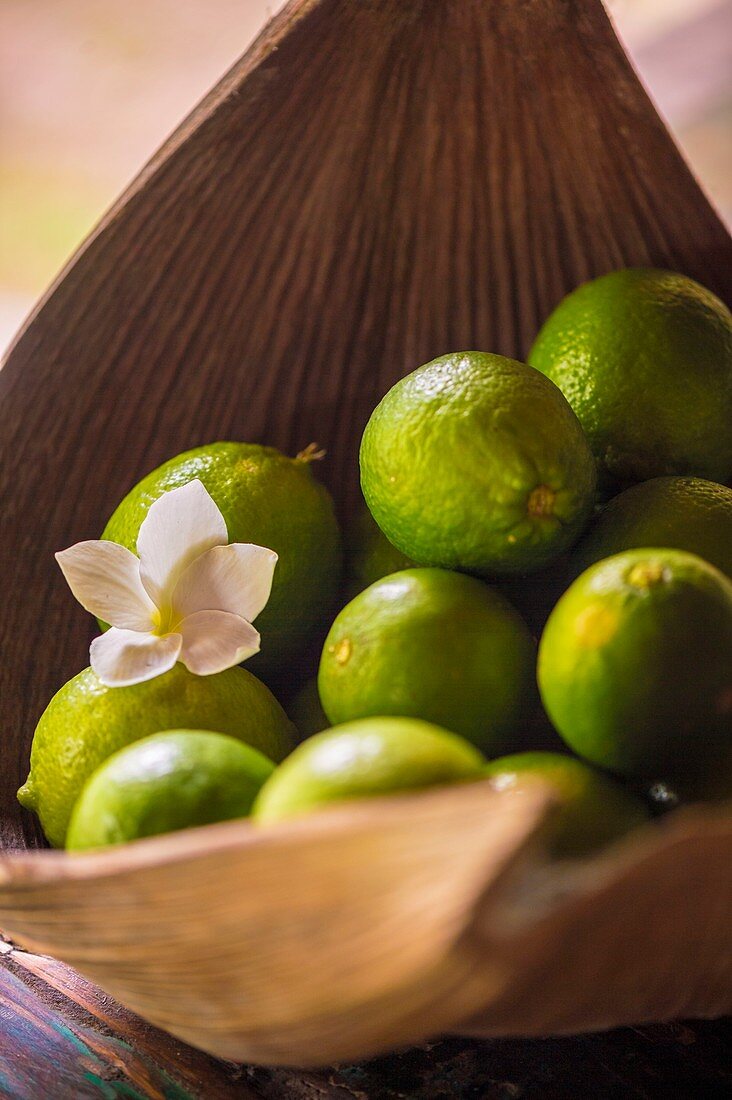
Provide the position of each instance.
(305, 710)
(369, 554)
(644, 358)
(86, 722)
(683, 513)
(375, 756)
(476, 462)
(167, 781)
(635, 665)
(431, 644)
(268, 499)
(593, 809)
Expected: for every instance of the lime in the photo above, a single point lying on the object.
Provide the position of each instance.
(644, 357)
(268, 499)
(369, 554)
(86, 722)
(431, 644)
(375, 756)
(476, 462)
(683, 513)
(635, 665)
(306, 712)
(167, 781)
(593, 809)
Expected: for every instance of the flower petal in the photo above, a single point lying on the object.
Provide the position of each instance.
(216, 640)
(235, 578)
(123, 657)
(105, 578)
(181, 525)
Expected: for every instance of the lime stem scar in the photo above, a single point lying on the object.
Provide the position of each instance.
(645, 574)
(342, 651)
(541, 501)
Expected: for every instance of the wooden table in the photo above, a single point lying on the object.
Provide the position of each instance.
(63, 1039)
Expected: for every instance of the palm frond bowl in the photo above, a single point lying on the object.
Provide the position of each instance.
(373, 184)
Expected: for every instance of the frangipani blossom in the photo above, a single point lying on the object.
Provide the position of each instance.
(189, 596)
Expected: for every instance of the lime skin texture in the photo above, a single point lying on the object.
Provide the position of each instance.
(476, 462)
(682, 513)
(436, 645)
(176, 779)
(593, 810)
(364, 759)
(644, 358)
(273, 501)
(635, 665)
(86, 722)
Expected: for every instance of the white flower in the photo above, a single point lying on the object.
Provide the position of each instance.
(188, 597)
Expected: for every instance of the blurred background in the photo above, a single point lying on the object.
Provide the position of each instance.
(89, 89)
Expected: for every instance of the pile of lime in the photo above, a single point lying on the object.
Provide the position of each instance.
(537, 587)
